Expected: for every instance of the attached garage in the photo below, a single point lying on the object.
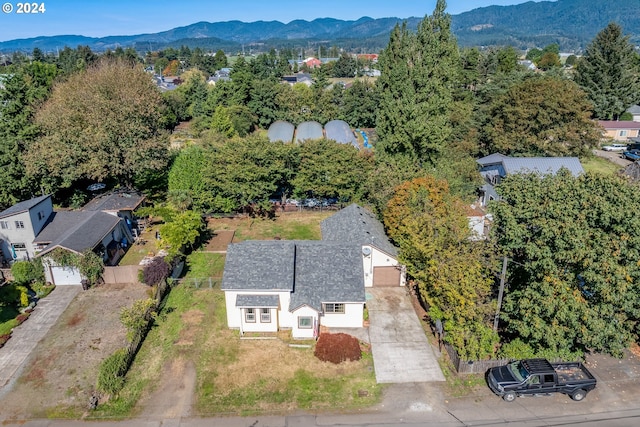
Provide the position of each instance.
(387, 276)
(65, 276)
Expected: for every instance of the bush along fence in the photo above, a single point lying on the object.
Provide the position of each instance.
(138, 320)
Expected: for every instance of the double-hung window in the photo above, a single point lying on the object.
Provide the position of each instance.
(265, 315)
(250, 315)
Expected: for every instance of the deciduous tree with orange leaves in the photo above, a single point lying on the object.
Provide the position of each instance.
(451, 271)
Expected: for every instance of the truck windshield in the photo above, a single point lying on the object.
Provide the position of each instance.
(518, 371)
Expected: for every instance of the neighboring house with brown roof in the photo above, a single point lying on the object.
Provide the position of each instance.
(620, 130)
(302, 285)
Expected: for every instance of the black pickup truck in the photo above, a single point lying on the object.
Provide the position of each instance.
(540, 377)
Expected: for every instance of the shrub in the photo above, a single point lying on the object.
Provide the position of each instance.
(24, 296)
(20, 318)
(112, 372)
(42, 289)
(4, 338)
(155, 272)
(25, 272)
(337, 348)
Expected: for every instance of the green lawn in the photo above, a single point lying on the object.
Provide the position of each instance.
(600, 165)
(203, 264)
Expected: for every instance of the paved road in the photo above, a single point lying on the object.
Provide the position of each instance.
(401, 352)
(15, 353)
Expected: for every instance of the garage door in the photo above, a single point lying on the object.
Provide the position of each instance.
(386, 276)
(66, 276)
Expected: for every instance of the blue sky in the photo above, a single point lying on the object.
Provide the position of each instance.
(126, 17)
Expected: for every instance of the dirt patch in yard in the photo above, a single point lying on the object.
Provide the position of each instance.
(219, 241)
(62, 371)
(174, 395)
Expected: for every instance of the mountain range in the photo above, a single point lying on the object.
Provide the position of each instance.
(570, 23)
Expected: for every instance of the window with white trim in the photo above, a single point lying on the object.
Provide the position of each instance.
(250, 315)
(265, 315)
(334, 308)
(19, 246)
(19, 224)
(305, 322)
(623, 133)
(4, 225)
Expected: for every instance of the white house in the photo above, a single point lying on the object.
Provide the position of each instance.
(300, 285)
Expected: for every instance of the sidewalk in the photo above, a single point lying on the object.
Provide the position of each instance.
(25, 337)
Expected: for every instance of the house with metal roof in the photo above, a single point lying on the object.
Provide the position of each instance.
(496, 167)
(301, 285)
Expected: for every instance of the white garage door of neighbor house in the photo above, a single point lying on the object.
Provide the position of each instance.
(386, 276)
(66, 276)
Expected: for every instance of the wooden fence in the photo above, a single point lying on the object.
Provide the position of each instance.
(472, 366)
(121, 274)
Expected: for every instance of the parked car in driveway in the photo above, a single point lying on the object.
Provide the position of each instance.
(615, 147)
(632, 155)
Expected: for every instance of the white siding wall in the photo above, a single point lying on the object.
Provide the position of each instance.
(304, 311)
(258, 325)
(352, 317)
(235, 315)
(377, 258)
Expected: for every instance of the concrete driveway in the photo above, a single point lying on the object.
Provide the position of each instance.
(25, 337)
(401, 352)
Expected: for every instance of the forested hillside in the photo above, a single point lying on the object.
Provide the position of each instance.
(570, 23)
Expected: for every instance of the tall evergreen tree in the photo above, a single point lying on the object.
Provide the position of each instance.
(419, 75)
(608, 74)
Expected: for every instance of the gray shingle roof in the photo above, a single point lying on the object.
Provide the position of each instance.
(314, 271)
(76, 231)
(257, 301)
(23, 206)
(259, 265)
(327, 272)
(115, 202)
(356, 224)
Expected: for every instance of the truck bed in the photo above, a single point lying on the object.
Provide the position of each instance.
(571, 372)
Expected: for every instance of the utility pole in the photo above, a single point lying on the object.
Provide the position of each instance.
(500, 293)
